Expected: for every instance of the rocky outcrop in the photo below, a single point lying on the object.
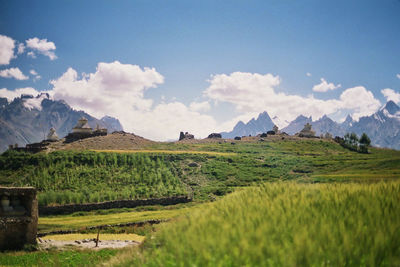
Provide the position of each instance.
(215, 135)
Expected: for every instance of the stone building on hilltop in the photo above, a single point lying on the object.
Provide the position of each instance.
(82, 127)
(307, 131)
(52, 135)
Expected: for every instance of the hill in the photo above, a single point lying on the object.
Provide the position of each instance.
(202, 170)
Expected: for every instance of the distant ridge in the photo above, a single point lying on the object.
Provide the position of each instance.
(262, 124)
(383, 127)
(27, 119)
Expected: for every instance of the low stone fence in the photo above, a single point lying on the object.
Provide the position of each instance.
(70, 208)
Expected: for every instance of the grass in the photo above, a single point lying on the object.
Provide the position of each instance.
(284, 224)
(102, 236)
(57, 258)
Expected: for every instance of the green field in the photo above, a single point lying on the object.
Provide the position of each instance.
(285, 224)
(303, 202)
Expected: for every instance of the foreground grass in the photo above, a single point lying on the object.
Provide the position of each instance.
(284, 224)
(57, 258)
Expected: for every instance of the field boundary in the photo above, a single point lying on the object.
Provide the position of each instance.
(138, 224)
(71, 208)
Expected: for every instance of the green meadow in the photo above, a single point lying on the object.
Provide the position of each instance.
(281, 202)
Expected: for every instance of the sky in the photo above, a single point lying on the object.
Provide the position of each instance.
(162, 67)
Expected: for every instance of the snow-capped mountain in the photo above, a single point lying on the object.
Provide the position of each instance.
(383, 127)
(262, 124)
(27, 119)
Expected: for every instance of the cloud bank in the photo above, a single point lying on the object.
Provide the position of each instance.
(118, 89)
(253, 92)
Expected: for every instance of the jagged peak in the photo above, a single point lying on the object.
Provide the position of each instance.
(391, 107)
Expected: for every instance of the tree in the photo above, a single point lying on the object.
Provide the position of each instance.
(365, 141)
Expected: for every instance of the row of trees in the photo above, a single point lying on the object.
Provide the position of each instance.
(352, 142)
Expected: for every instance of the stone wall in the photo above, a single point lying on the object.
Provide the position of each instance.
(66, 209)
(19, 218)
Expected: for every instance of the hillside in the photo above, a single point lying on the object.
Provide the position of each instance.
(202, 170)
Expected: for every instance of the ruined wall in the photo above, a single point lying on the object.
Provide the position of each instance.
(66, 209)
(18, 217)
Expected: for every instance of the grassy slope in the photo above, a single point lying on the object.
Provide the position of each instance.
(284, 224)
(76, 177)
(305, 161)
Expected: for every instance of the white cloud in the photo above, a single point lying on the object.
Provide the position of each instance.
(36, 76)
(11, 94)
(21, 48)
(324, 86)
(117, 90)
(308, 74)
(398, 75)
(7, 45)
(392, 95)
(250, 92)
(200, 106)
(42, 46)
(15, 73)
(365, 105)
(31, 54)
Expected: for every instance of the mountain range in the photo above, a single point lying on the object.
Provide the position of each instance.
(27, 119)
(383, 127)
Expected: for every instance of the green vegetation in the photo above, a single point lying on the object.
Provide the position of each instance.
(83, 177)
(310, 202)
(57, 258)
(352, 142)
(284, 224)
(203, 171)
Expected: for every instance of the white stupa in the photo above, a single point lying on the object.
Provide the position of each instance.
(52, 135)
(82, 127)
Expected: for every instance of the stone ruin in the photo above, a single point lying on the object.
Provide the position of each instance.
(307, 131)
(18, 217)
(215, 135)
(186, 135)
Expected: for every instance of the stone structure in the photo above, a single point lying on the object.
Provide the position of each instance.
(215, 135)
(82, 127)
(185, 136)
(82, 130)
(275, 129)
(307, 131)
(328, 136)
(18, 217)
(52, 136)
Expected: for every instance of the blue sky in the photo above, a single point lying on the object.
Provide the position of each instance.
(350, 44)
